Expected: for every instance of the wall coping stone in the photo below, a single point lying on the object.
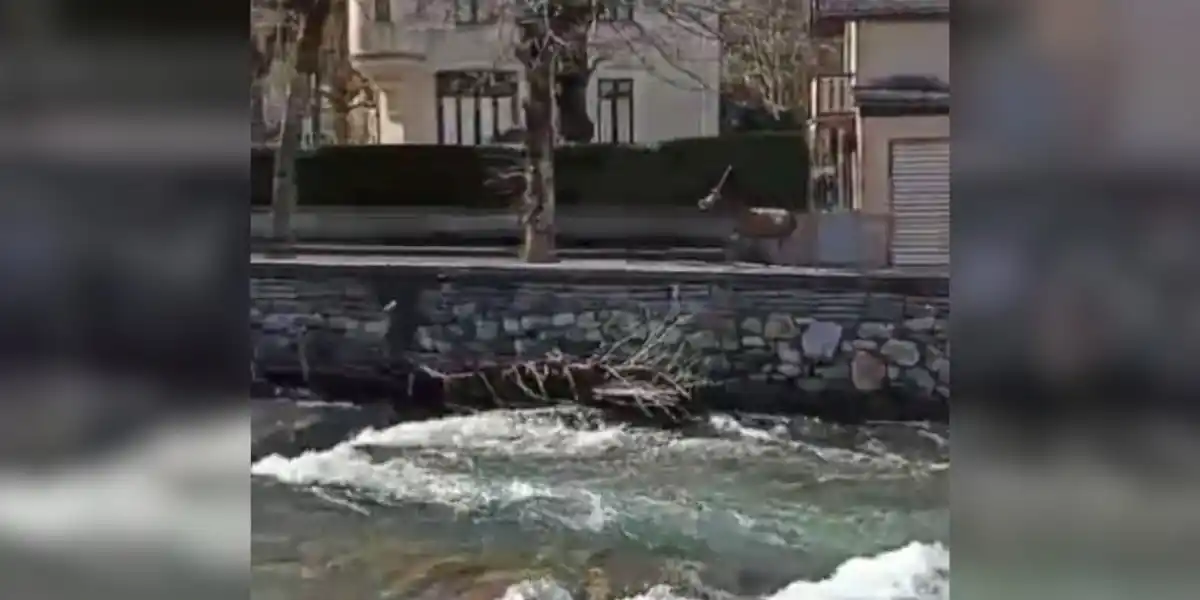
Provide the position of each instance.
(914, 282)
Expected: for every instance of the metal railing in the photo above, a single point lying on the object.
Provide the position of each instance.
(832, 95)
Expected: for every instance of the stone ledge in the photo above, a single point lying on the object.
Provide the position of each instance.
(493, 270)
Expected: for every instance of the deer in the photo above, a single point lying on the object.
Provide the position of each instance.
(759, 232)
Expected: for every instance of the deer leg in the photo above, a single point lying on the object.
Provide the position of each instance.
(732, 247)
(742, 248)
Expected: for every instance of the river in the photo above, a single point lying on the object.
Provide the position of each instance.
(558, 505)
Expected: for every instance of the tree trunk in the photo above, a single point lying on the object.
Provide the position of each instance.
(338, 73)
(538, 217)
(341, 125)
(571, 25)
(283, 185)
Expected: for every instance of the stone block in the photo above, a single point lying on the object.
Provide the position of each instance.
(377, 327)
(920, 324)
(790, 369)
(702, 340)
(839, 372)
(780, 326)
(920, 378)
(486, 330)
(753, 341)
(821, 339)
(672, 336)
(788, 354)
(529, 322)
(752, 326)
(901, 352)
(867, 372)
(875, 331)
(512, 326)
(717, 363)
(587, 320)
(941, 368)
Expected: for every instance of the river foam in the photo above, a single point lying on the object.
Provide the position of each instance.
(437, 462)
(916, 571)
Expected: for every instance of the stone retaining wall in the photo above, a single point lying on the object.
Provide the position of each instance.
(804, 336)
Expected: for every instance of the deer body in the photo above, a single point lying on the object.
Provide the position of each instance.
(759, 232)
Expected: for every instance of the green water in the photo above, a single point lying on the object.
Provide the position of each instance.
(467, 507)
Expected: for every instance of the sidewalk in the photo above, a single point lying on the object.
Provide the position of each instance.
(390, 250)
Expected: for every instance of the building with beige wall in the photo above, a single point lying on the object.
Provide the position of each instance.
(881, 126)
(448, 75)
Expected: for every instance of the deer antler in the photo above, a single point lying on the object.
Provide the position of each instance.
(714, 195)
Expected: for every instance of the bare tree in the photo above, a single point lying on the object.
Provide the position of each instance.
(559, 45)
(272, 34)
(347, 92)
(310, 17)
(769, 55)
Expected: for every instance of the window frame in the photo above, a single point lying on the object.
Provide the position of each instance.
(619, 88)
(616, 11)
(476, 13)
(457, 84)
(384, 15)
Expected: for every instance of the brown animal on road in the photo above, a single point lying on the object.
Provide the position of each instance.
(757, 229)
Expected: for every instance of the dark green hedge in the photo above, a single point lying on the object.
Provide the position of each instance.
(770, 169)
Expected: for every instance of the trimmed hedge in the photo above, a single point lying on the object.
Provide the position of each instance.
(400, 175)
(769, 169)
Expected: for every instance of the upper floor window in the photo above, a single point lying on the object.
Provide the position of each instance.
(613, 11)
(476, 107)
(614, 111)
(472, 12)
(383, 11)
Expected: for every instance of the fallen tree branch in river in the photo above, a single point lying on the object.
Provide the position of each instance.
(650, 379)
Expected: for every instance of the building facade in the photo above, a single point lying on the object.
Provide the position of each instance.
(447, 72)
(880, 128)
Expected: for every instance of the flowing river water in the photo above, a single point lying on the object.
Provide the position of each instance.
(555, 505)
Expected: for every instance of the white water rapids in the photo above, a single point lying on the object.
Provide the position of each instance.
(758, 491)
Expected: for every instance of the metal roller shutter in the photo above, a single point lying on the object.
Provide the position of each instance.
(920, 173)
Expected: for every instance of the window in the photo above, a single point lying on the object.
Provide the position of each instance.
(383, 11)
(616, 10)
(471, 12)
(475, 107)
(614, 111)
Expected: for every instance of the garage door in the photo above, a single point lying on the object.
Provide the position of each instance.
(920, 174)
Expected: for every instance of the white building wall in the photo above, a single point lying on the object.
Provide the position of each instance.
(885, 48)
(675, 90)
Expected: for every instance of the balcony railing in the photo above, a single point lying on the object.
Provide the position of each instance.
(832, 95)
(390, 38)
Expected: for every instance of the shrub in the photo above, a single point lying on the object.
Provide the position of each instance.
(769, 169)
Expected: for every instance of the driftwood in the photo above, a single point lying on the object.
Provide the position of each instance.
(651, 382)
(649, 377)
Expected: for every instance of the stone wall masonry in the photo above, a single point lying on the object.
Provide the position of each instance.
(804, 337)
